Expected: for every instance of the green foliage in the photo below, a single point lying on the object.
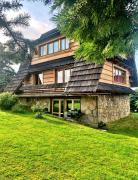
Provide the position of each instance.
(39, 108)
(104, 29)
(20, 108)
(134, 101)
(7, 101)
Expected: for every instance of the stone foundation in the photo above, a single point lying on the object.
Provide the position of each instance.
(113, 107)
(104, 108)
(30, 101)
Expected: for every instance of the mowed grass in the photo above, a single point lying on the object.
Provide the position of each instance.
(56, 149)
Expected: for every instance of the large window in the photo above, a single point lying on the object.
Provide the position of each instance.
(119, 75)
(63, 76)
(55, 46)
(38, 78)
(43, 51)
(73, 104)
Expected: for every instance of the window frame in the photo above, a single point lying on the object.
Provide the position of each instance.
(63, 72)
(124, 77)
(46, 45)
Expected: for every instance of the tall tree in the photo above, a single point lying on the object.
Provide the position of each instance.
(8, 25)
(16, 49)
(104, 28)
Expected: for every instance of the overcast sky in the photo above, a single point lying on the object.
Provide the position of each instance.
(40, 21)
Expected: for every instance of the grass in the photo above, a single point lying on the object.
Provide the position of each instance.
(56, 149)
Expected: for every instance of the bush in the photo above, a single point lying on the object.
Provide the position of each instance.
(20, 108)
(39, 108)
(7, 101)
(133, 101)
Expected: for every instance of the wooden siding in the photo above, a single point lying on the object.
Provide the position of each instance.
(107, 74)
(60, 54)
(29, 80)
(49, 77)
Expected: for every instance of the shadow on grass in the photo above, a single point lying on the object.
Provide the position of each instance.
(126, 126)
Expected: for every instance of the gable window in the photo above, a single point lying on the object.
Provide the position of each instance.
(64, 43)
(119, 75)
(50, 48)
(38, 78)
(43, 50)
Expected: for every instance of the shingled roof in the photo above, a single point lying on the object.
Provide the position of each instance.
(17, 80)
(85, 79)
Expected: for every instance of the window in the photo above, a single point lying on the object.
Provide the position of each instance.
(63, 76)
(64, 44)
(43, 50)
(56, 46)
(60, 76)
(39, 79)
(67, 75)
(119, 75)
(73, 104)
(50, 48)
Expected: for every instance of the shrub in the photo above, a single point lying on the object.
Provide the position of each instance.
(133, 101)
(39, 108)
(7, 101)
(20, 108)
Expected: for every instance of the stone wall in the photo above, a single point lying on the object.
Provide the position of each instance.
(30, 101)
(113, 107)
(89, 109)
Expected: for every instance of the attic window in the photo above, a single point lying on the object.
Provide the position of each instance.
(39, 79)
(119, 75)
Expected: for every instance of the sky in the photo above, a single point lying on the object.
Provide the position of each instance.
(40, 21)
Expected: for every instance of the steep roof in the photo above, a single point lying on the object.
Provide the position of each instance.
(17, 80)
(47, 36)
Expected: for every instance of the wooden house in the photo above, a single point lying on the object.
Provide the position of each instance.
(100, 92)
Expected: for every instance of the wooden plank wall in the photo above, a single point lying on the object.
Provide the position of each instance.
(29, 80)
(61, 54)
(49, 77)
(107, 74)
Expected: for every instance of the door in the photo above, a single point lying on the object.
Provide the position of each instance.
(58, 107)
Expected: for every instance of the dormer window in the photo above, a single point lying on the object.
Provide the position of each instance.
(55, 46)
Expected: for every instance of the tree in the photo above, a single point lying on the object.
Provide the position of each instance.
(134, 101)
(8, 25)
(104, 28)
(16, 49)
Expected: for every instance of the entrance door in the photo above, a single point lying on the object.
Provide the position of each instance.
(58, 107)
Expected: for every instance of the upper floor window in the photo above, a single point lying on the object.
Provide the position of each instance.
(64, 43)
(119, 75)
(43, 50)
(50, 48)
(63, 76)
(55, 46)
(38, 78)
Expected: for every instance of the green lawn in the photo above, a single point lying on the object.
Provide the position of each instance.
(57, 149)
